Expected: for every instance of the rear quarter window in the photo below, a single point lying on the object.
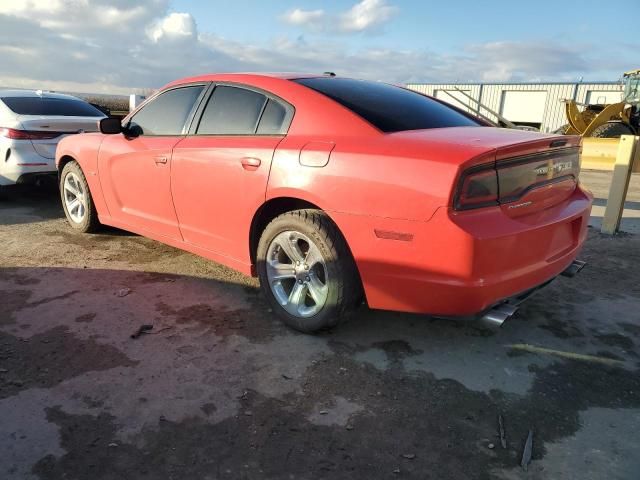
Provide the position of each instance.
(63, 107)
(389, 108)
(273, 119)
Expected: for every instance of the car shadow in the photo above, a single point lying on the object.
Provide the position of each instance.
(184, 305)
(182, 298)
(32, 203)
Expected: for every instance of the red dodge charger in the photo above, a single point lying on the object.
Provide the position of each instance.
(332, 189)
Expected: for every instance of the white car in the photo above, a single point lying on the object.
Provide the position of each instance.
(32, 124)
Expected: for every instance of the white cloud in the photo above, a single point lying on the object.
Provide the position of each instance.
(84, 15)
(300, 17)
(27, 7)
(505, 61)
(367, 14)
(173, 26)
(112, 46)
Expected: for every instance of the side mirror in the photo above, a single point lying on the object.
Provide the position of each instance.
(110, 126)
(131, 130)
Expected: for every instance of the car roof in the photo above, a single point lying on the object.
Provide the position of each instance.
(242, 77)
(34, 93)
(281, 75)
(315, 113)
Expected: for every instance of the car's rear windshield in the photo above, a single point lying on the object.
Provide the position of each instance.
(389, 108)
(65, 107)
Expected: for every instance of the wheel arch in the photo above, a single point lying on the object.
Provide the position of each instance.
(64, 159)
(267, 212)
(277, 206)
(93, 181)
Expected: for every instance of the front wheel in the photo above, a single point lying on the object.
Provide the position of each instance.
(76, 199)
(612, 130)
(306, 271)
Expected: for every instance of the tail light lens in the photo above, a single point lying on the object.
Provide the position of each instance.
(509, 180)
(15, 134)
(478, 188)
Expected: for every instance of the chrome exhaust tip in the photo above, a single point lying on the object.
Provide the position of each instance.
(495, 317)
(573, 269)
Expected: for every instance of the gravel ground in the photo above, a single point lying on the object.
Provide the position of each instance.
(220, 389)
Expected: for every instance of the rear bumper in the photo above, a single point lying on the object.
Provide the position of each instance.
(463, 263)
(495, 316)
(19, 162)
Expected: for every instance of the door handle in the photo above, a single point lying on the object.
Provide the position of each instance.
(160, 159)
(250, 163)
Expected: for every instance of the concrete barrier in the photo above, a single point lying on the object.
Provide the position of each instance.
(627, 154)
(601, 153)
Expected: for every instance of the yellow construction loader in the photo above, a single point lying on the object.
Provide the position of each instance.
(607, 121)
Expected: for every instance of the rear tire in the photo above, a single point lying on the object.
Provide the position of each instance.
(76, 199)
(612, 130)
(306, 271)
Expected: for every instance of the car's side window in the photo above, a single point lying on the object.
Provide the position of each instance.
(231, 111)
(167, 113)
(273, 119)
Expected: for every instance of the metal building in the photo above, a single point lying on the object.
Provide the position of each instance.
(534, 104)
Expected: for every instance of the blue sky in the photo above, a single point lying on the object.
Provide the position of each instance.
(120, 45)
(442, 25)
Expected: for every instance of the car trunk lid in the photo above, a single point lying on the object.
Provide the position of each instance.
(537, 174)
(46, 131)
(520, 171)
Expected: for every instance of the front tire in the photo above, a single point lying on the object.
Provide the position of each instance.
(612, 130)
(76, 199)
(306, 271)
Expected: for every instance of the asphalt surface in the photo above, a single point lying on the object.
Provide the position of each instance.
(220, 389)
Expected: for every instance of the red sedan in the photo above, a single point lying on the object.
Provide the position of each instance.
(331, 189)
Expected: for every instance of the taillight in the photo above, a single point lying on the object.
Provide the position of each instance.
(15, 134)
(478, 188)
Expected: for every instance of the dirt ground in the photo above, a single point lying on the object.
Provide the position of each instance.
(220, 389)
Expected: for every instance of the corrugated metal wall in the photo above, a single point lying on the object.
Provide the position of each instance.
(492, 94)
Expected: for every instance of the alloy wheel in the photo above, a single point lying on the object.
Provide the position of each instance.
(297, 274)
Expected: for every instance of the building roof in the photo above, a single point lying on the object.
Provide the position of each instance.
(608, 82)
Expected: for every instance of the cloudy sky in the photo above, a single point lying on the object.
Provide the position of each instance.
(119, 45)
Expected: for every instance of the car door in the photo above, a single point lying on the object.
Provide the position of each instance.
(135, 166)
(220, 170)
